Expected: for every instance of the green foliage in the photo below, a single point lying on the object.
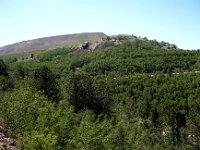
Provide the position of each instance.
(21, 72)
(45, 81)
(11, 60)
(91, 133)
(52, 54)
(3, 68)
(138, 94)
(19, 110)
(85, 94)
(35, 140)
(6, 84)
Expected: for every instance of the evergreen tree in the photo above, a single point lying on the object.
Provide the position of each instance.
(3, 68)
(45, 81)
(6, 84)
(21, 72)
(85, 94)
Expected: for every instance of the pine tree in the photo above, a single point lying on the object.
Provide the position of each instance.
(45, 81)
(86, 94)
(3, 68)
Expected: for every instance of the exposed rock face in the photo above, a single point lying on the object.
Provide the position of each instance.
(49, 42)
(93, 46)
(85, 45)
(7, 143)
(100, 45)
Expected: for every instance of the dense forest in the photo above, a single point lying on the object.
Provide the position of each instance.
(138, 94)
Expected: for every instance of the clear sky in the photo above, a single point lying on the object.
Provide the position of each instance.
(174, 21)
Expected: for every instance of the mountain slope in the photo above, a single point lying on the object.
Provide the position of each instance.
(148, 90)
(50, 42)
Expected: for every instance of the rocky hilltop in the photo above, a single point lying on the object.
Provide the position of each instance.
(50, 42)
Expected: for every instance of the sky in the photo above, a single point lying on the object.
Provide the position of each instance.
(174, 21)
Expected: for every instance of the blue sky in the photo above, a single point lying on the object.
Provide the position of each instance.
(174, 21)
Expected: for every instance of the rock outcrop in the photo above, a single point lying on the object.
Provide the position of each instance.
(7, 143)
(93, 46)
(100, 45)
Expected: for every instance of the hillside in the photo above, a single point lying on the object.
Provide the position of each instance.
(137, 94)
(51, 42)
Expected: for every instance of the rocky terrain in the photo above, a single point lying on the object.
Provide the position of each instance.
(93, 46)
(103, 43)
(50, 42)
(7, 143)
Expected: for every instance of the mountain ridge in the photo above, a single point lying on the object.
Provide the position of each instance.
(50, 42)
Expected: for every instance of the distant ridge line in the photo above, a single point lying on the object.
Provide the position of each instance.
(50, 42)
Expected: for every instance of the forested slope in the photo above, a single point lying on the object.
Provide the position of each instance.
(138, 94)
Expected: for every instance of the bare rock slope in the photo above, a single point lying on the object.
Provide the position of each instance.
(50, 42)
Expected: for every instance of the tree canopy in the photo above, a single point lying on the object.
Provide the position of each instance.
(137, 94)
